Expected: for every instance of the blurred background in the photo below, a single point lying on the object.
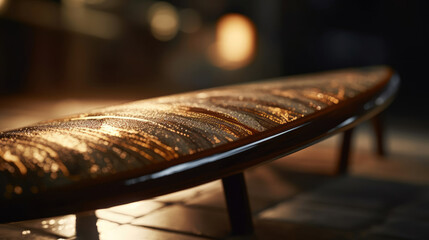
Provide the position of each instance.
(108, 51)
(59, 57)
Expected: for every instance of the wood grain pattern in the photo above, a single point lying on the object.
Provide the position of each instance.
(143, 140)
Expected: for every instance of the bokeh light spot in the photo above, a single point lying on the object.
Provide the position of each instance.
(235, 42)
(163, 20)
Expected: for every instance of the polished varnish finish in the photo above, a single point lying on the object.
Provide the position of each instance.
(155, 146)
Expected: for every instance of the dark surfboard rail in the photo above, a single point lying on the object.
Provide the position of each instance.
(156, 146)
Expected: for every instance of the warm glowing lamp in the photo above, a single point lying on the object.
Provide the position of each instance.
(235, 41)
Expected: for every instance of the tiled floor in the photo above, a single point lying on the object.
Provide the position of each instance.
(296, 197)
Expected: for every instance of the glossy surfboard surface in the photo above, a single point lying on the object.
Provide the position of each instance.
(155, 146)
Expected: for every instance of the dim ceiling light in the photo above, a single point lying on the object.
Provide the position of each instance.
(3, 4)
(163, 20)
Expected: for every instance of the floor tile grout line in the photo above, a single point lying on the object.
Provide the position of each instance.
(135, 217)
(274, 204)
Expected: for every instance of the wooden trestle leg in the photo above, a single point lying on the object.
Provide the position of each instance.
(345, 152)
(86, 226)
(377, 124)
(237, 202)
